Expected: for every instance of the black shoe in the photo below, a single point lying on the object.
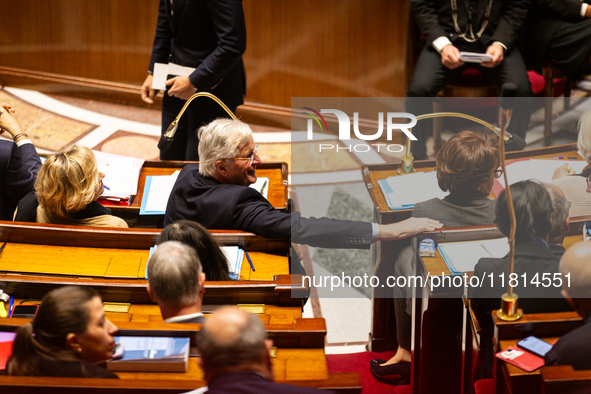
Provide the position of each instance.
(402, 368)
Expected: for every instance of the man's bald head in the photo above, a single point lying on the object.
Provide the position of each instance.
(232, 339)
(576, 261)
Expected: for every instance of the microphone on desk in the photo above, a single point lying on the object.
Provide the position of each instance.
(167, 137)
(506, 103)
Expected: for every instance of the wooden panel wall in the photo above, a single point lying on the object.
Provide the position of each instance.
(295, 48)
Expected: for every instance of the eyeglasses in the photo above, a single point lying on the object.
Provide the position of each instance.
(251, 157)
(499, 172)
(569, 203)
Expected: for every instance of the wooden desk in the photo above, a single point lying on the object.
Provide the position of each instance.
(269, 257)
(300, 361)
(275, 171)
(451, 300)
(546, 326)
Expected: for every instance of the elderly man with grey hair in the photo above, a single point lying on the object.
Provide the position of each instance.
(235, 358)
(574, 348)
(176, 282)
(215, 193)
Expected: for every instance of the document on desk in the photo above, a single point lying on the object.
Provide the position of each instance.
(404, 191)
(462, 257)
(541, 170)
(157, 190)
(235, 256)
(121, 174)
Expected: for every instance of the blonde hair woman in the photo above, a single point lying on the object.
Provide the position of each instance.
(66, 190)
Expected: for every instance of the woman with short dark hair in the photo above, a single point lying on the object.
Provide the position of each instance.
(68, 336)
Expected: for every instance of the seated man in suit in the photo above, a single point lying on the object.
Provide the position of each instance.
(560, 31)
(490, 27)
(175, 282)
(19, 163)
(215, 193)
(235, 356)
(574, 348)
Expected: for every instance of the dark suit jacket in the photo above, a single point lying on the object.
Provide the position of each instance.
(531, 258)
(544, 19)
(244, 382)
(505, 21)
(223, 206)
(209, 35)
(18, 169)
(573, 348)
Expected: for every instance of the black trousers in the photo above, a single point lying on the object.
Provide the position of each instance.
(200, 112)
(430, 76)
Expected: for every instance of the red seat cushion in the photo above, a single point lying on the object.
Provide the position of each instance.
(484, 386)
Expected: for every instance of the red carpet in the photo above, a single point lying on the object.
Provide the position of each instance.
(359, 362)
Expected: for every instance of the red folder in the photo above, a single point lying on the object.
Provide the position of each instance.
(521, 358)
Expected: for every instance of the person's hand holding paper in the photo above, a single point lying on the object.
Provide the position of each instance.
(180, 86)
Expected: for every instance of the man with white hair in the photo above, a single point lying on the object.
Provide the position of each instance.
(176, 282)
(235, 357)
(215, 193)
(574, 348)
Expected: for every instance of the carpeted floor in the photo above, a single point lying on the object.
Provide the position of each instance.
(359, 362)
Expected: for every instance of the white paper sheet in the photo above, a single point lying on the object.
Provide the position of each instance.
(414, 188)
(261, 185)
(465, 255)
(160, 190)
(541, 170)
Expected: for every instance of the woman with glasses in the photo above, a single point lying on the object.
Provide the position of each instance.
(466, 168)
(577, 186)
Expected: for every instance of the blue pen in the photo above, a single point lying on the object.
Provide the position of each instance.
(249, 261)
(106, 187)
(10, 306)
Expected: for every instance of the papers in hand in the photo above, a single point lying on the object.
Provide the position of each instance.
(462, 257)
(404, 191)
(162, 71)
(235, 256)
(157, 354)
(473, 57)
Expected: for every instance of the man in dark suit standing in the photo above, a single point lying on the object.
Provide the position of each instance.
(560, 31)
(210, 36)
(574, 348)
(215, 193)
(481, 26)
(235, 355)
(19, 164)
(176, 282)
